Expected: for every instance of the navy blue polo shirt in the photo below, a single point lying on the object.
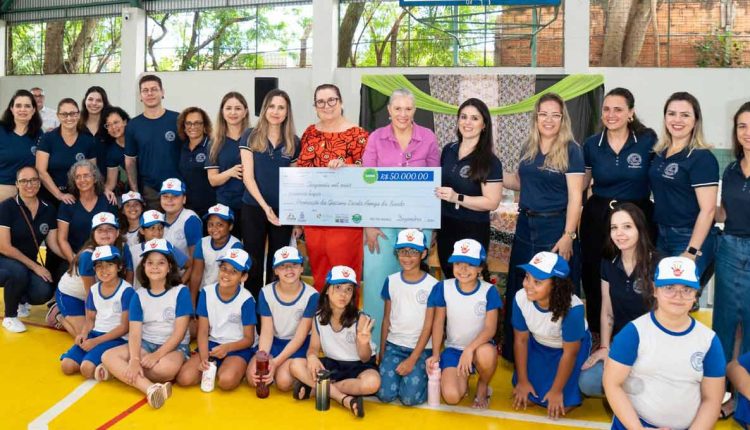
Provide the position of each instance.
(200, 194)
(157, 146)
(456, 175)
(115, 156)
(673, 182)
(625, 293)
(546, 190)
(15, 152)
(230, 192)
(622, 176)
(20, 235)
(62, 156)
(266, 167)
(101, 148)
(735, 198)
(79, 219)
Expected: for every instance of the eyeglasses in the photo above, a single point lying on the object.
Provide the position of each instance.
(66, 115)
(553, 116)
(330, 102)
(150, 90)
(408, 252)
(83, 176)
(189, 124)
(28, 182)
(109, 125)
(686, 293)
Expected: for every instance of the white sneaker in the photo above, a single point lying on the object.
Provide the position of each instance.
(13, 325)
(24, 310)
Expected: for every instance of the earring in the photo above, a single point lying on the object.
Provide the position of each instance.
(630, 119)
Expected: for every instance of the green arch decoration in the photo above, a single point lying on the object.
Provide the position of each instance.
(569, 87)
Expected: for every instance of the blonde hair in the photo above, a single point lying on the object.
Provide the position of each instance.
(697, 141)
(557, 158)
(258, 141)
(220, 132)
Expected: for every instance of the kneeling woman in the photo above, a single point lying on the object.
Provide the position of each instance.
(158, 339)
(344, 335)
(665, 369)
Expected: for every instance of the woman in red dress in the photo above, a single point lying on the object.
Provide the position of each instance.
(332, 142)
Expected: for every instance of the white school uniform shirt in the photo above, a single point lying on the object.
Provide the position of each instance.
(528, 316)
(341, 345)
(408, 308)
(287, 315)
(72, 285)
(131, 238)
(159, 312)
(664, 385)
(464, 312)
(227, 320)
(182, 228)
(134, 256)
(109, 309)
(205, 251)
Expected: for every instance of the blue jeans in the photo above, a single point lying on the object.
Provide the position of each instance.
(590, 381)
(732, 293)
(410, 389)
(19, 283)
(673, 241)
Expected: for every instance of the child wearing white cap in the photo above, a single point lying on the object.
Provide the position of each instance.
(286, 308)
(183, 228)
(665, 369)
(106, 324)
(407, 323)
(152, 224)
(226, 325)
(158, 339)
(551, 340)
(344, 335)
(131, 208)
(466, 310)
(219, 220)
(75, 284)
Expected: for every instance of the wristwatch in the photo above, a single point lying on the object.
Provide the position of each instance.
(459, 199)
(693, 251)
(571, 234)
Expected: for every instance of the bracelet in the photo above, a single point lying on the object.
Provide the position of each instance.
(603, 347)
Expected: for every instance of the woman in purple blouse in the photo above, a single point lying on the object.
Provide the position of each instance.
(402, 143)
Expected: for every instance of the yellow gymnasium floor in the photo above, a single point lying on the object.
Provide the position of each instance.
(38, 396)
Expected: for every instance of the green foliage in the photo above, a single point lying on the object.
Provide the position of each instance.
(719, 49)
(27, 49)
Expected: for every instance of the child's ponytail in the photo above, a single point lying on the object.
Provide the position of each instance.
(560, 297)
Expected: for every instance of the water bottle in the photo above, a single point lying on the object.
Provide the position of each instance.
(433, 384)
(208, 379)
(261, 369)
(323, 390)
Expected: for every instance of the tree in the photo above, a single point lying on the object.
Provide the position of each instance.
(348, 27)
(625, 31)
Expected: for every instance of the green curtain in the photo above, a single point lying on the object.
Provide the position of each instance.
(569, 87)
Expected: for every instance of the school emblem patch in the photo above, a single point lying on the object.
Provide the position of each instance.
(168, 314)
(422, 296)
(351, 337)
(480, 308)
(634, 161)
(43, 228)
(33, 150)
(234, 318)
(464, 172)
(80, 156)
(200, 158)
(169, 136)
(696, 361)
(298, 314)
(117, 307)
(671, 170)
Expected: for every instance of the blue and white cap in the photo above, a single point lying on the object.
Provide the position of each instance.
(287, 254)
(152, 217)
(105, 253)
(238, 258)
(221, 211)
(172, 186)
(545, 265)
(131, 195)
(104, 218)
(161, 246)
(468, 251)
(410, 238)
(677, 270)
(341, 275)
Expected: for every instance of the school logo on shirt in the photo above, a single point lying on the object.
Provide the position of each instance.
(696, 360)
(637, 286)
(480, 308)
(43, 228)
(234, 318)
(671, 170)
(117, 307)
(80, 156)
(422, 296)
(180, 235)
(464, 172)
(634, 161)
(298, 314)
(351, 337)
(169, 136)
(168, 314)
(33, 150)
(200, 158)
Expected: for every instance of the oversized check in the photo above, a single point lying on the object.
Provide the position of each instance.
(360, 196)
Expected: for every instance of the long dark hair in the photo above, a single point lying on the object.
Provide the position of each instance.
(482, 154)
(173, 277)
(9, 122)
(739, 154)
(84, 110)
(635, 125)
(560, 297)
(325, 312)
(644, 249)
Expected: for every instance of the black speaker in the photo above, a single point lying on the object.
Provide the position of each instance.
(262, 87)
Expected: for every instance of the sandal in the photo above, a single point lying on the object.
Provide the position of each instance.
(355, 400)
(476, 399)
(156, 396)
(101, 373)
(298, 386)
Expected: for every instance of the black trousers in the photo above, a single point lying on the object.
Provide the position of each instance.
(594, 232)
(451, 231)
(256, 231)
